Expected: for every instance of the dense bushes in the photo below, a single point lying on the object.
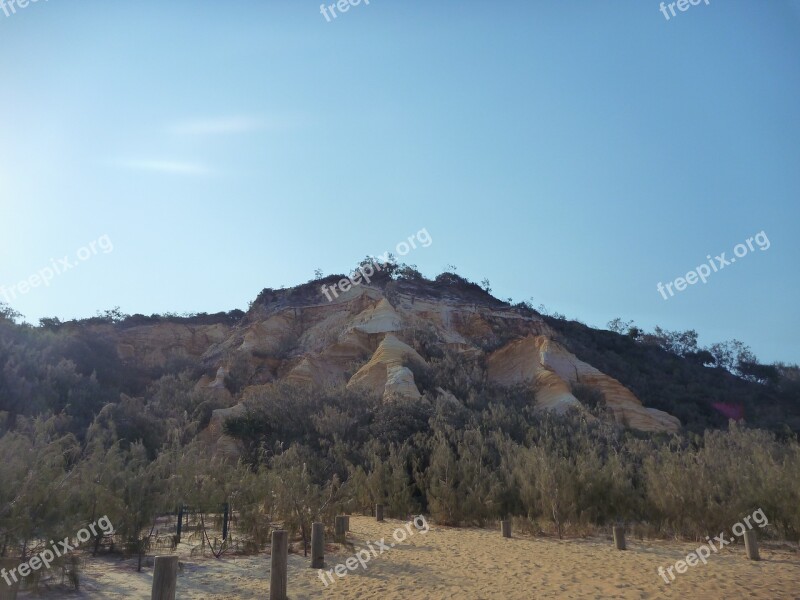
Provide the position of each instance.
(310, 454)
(472, 465)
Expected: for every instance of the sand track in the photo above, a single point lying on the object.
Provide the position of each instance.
(472, 564)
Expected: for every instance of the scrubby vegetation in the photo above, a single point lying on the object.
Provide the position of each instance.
(476, 464)
(310, 454)
(84, 434)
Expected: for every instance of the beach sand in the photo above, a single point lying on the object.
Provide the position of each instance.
(469, 564)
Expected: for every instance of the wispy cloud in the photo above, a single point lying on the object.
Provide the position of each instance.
(231, 125)
(163, 166)
(219, 126)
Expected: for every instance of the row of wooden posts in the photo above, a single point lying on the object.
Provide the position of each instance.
(165, 571)
(166, 567)
(750, 542)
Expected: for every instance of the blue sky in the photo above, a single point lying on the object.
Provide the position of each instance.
(576, 153)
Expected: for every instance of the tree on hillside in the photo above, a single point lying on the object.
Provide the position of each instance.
(140, 488)
(8, 314)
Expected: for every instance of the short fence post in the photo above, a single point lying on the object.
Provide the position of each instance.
(751, 545)
(379, 512)
(505, 527)
(165, 577)
(340, 530)
(278, 577)
(317, 545)
(619, 537)
(225, 522)
(180, 523)
(347, 522)
(9, 592)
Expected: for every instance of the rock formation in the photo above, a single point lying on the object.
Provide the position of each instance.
(373, 336)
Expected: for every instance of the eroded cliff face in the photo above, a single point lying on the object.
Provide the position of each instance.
(155, 345)
(550, 370)
(375, 338)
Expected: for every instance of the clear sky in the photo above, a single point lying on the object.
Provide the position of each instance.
(575, 152)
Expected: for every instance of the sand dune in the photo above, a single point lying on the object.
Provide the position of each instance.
(450, 563)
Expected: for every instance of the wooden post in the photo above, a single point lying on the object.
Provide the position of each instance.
(379, 512)
(751, 545)
(619, 537)
(165, 578)
(347, 522)
(9, 592)
(340, 531)
(505, 527)
(180, 523)
(317, 545)
(225, 522)
(279, 573)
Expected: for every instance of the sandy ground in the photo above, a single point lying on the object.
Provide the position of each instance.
(469, 564)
